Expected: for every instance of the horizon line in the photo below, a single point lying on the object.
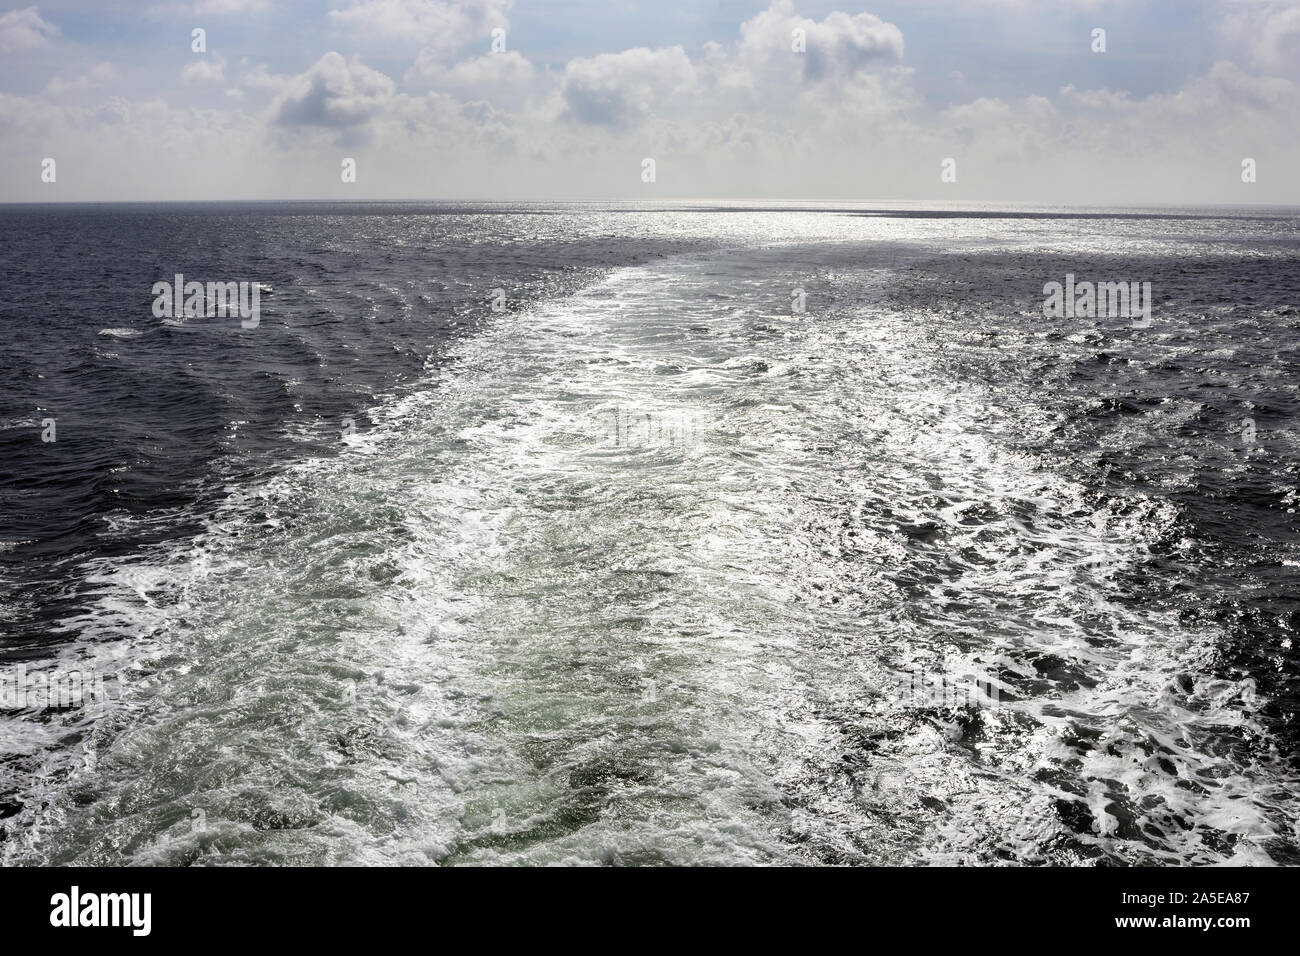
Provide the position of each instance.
(665, 201)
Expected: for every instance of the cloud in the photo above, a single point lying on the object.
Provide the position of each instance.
(1268, 32)
(205, 69)
(225, 7)
(838, 46)
(1215, 100)
(438, 27)
(94, 78)
(1279, 42)
(207, 8)
(617, 89)
(841, 69)
(334, 93)
(1228, 87)
(259, 77)
(979, 113)
(503, 79)
(24, 30)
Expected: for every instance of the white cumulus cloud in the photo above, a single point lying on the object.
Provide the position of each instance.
(24, 30)
(334, 92)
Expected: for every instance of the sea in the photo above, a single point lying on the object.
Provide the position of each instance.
(704, 533)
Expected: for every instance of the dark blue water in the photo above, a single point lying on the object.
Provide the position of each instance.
(155, 419)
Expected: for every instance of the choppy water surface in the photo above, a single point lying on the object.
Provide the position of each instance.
(640, 570)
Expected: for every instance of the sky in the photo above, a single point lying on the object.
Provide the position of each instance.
(923, 100)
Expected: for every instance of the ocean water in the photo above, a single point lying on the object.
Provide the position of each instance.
(644, 568)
